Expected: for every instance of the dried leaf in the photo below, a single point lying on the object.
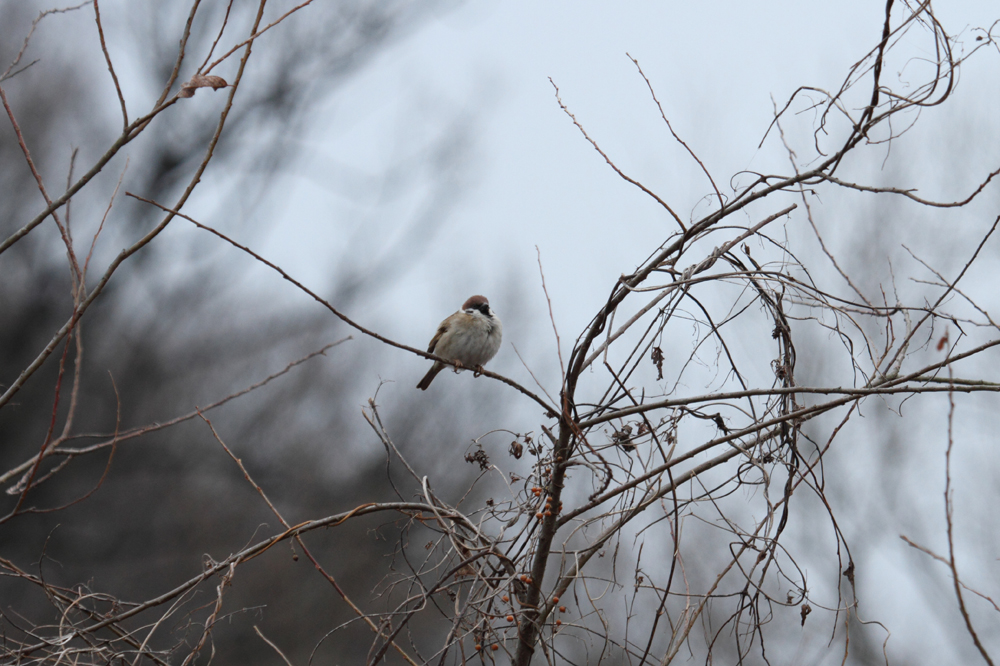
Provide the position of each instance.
(657, 357)
(201, 81)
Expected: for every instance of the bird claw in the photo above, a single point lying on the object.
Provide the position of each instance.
(478, 371)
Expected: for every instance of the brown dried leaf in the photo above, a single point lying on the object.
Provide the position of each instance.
(201, 81)
(657, 357)
(516, 449)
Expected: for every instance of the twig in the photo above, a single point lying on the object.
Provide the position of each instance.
(111, 68)
(273, 646)
(607, 159)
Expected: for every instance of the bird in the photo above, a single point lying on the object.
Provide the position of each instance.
(470, 337)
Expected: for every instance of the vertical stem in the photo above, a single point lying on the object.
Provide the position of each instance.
(530, 629)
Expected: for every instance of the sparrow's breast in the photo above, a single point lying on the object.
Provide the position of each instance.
(478, 343)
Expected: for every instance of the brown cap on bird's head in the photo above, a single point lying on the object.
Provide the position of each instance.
(475, 302)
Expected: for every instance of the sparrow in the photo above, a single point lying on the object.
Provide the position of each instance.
(471, 337)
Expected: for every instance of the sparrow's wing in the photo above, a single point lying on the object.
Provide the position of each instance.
(437, 336)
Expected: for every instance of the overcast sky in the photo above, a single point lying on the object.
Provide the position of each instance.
(716, 67)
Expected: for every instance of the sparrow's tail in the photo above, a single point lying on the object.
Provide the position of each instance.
(429, 377)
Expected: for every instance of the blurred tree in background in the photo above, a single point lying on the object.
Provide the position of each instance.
(177, 326)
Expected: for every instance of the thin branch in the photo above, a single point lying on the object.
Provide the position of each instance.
(347, 320)
(607, 159)
(111, 68)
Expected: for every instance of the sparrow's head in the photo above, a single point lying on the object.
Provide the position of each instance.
(477, 304)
